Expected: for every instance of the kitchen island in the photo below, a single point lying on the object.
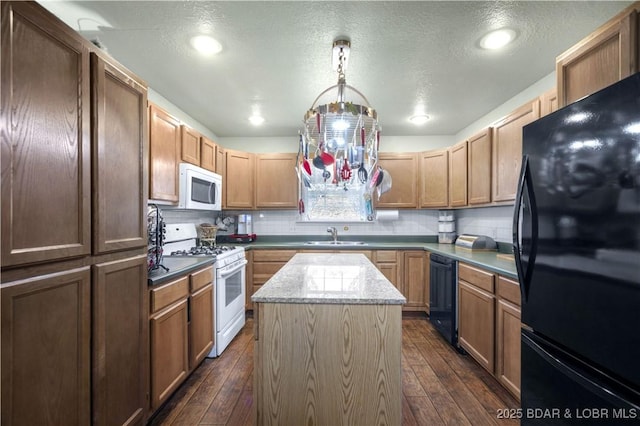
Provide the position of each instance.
(328, 344)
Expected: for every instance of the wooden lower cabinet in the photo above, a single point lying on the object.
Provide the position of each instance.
(182, 330)
(46, 326)
(265, 264)
(413, 280)
(476, 314)
(169, 340)
(387, 262)
(120, 370)
(201, 325)
(508, 332)
(489, 323)
(476, 328)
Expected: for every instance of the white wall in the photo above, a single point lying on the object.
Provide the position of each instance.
(494, 222)
(528, 94)
(184, 118)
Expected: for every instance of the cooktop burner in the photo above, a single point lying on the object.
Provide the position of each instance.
(202, 251)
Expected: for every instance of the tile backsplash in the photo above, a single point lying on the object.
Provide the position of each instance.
(494, 222)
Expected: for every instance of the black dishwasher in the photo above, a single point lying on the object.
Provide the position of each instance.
(443, 295)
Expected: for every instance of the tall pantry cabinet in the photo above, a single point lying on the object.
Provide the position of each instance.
(74, 347)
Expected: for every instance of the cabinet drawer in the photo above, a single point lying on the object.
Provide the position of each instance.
(162, 297)
(509, 290)
(201, 278)
(273, 255)
(477, 277)
(386, 256)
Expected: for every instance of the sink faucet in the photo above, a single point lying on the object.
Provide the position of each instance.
(334, 233)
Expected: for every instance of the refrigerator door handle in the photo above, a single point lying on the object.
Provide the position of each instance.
(525, 186)
(580, 377)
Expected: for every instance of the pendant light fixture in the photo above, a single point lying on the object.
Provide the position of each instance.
(338, 154)
(341, 121)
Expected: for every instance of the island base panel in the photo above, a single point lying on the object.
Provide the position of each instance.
(328, 364)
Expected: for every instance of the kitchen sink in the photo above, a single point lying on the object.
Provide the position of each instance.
(335, 243)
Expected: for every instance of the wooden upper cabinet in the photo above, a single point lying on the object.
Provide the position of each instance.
(458, 174)
(45, 151)
(220, 161)
(208, 150)
(479, 168)
(548, 102)
(607, 55)
(434, 178)
(46, 343)
(238, 180)
(403, 168)
(276, 185)
(120, 349)
(190, 142)
(507, 150)
(164, 155)
(119, 139)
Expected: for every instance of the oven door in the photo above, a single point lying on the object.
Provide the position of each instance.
(230, 294)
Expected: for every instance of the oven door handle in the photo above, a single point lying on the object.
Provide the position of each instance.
(234, 270)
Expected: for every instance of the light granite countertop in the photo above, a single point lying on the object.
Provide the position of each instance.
(330, 279)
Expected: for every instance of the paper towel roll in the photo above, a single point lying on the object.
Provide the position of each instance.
(387, 215)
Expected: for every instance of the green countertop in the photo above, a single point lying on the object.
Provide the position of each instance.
(488, 260)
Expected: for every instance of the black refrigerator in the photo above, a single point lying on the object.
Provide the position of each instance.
(576, 234)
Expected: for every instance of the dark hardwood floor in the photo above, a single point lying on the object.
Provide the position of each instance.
(439, 385)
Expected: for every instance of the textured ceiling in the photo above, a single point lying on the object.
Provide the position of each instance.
(277, 55)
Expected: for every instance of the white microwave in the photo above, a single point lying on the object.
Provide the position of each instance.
(199, 189)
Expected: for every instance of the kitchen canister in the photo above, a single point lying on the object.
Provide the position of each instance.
(446, 227)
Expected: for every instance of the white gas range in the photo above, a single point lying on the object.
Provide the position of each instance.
(230, 279)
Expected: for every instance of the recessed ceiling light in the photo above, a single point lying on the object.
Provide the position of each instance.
(256, 120)
(497, 39)
(206, 45)
(419, 119)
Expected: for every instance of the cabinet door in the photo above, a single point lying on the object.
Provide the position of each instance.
(413, 282)
(201, 329)
(208, 150)
(507, 150)
(164, 155)
(220, 161)
(119, 133)
(276, 184)
(403, 169)
(249, 280)
(238, 179)
(434, 179)
(458, 174)
(476, 326)
(548, 102)
(427, 282)
(45, 140)
(190, 142)
(120, 379)
(169, 352)
(508, 346)
(390, 272)
(607, 55)
(480, 167)
(45, 350)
